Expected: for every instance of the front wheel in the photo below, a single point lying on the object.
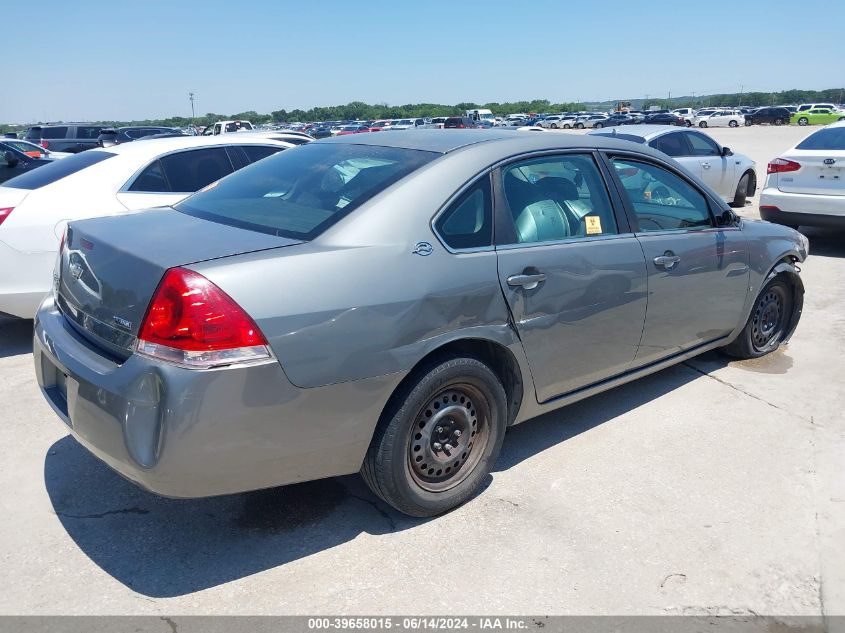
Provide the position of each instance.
(702, 124)
(742, 189)
(598, 126)
(748, 122)
(554, 126)
(566, 126)
(579, 126)
(732, 123)
(433, 448)
(768, 323)
(803, 121)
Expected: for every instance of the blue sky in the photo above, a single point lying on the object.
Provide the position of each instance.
(120, 59)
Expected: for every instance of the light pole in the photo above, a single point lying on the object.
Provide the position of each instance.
(741, 89)
(191, 98)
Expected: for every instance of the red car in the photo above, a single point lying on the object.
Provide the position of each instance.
(352, 129)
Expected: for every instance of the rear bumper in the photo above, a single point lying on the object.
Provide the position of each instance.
(802, 209)
(24, 280)
(196, 433)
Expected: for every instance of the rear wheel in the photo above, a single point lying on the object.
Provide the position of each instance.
(579, 126)
(747, 122)
(433, 448)
(599, 126)
(554, 126)
(767, 325)
(566, 126)
(732, 123)
(779, 121)
(803, 121)
(702, 124)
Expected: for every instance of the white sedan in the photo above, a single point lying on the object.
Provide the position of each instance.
(721, 118)
(36, 206)
(730, 175)
(806, 184)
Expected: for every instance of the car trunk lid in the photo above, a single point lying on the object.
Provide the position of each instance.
(110, 268)
(822, 172)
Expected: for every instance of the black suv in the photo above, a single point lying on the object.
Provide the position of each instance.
(115, 136)
(774, 116)
(459, 122)
(65, 137)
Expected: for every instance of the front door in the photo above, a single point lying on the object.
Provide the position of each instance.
(697, 271)
(573, 276)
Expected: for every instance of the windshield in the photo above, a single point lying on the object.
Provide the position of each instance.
(57, 170)
(300, 193)
(828, 139)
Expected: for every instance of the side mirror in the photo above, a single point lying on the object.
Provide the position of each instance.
(726, 151)
(11, 159)
(728, 218)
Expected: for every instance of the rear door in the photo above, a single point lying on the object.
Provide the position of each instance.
(717, 171)
(697, 271)
(571, 270)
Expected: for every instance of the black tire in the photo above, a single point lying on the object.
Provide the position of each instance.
(732, 124)
(702, 124)
(748, 122)
(579, 126)
(803, 121)
(598, 126)
(688, 123)
(742, 190)
(553, 126)
(418, 427)
(768, 323)
(779, 121)
(566, 126)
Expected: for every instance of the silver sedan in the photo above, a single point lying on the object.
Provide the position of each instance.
(390, 303)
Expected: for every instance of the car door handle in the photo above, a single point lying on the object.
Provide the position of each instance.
(667, 260)
(527, 281)
(705, 165)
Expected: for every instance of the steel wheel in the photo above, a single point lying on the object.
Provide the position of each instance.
(449, 437)
(769, 319)
(803, 121)
(702, 124)
(732, 123)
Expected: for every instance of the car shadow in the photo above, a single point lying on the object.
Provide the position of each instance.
(170, 547)
(15, 336)
(825, 242)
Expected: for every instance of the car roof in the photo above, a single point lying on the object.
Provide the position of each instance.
(507, 142)
(155, 146)
(644, 132)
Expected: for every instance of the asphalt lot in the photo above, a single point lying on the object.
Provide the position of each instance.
(713, 487)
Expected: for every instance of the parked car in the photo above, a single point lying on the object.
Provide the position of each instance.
(323, 132)
(684, 113)
(620, 118)
(567, 121)
(552, 121)
(353, 129)
(13, 163)
(197, 373)
(589, 120)
(65, 137)
(32, 150)
(99, 182)
(454, 122)
(732, 176)
(805, 185)
(817, 116)
(663, 118)
(377, 126)
(772, 116)
(115, 136)
(227, 127)
(812, 106)
(721, 118)
(288, 136)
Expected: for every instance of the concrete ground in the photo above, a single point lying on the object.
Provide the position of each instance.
(713, 487)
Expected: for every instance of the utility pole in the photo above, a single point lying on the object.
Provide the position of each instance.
(741, 89)
(191, 98)
(669, 103)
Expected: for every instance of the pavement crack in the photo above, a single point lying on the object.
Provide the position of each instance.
(682, 577)
(810, 420)
(376, 507)
(133, 510)
(170, 623)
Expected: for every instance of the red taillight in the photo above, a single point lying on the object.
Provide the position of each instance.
(192, 322)
(45, 144)
(780, 165)
(5, 212)
(461, 125)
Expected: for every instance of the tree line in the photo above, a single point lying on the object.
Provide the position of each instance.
(358, 110)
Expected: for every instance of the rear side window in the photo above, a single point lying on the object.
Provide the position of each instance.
(468, 223)
(57, 170)
(673, 144)
(557, 197)
(832, 138)
(257, 152)
(86, 132)
(151, 180)
(192, 170)
(53, 132)
(299, 194)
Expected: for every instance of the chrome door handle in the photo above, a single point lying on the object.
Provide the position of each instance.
(527, 281)
(667, 260)
(705, 165)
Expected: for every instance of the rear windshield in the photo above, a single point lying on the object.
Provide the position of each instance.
(57, 170)
(831, 138)
(301, 193)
